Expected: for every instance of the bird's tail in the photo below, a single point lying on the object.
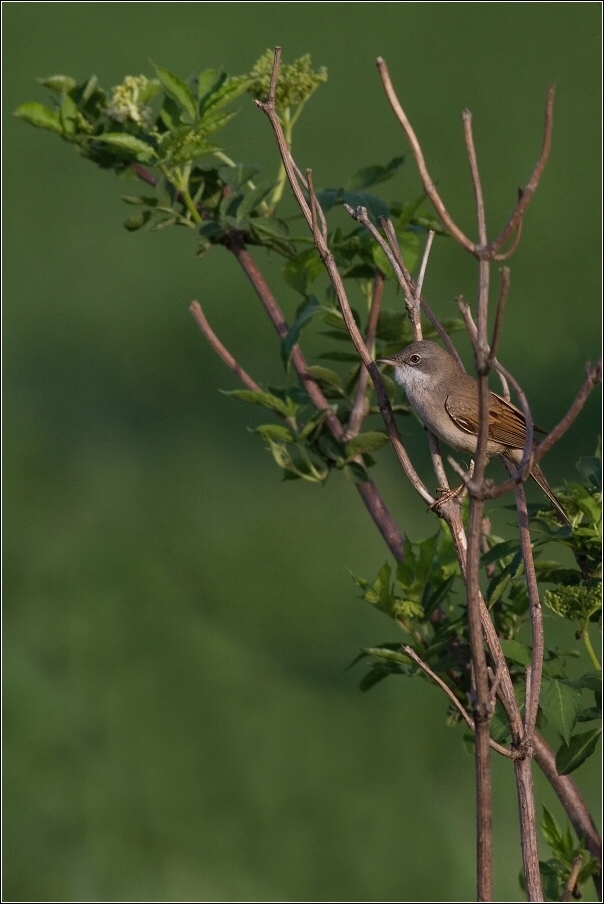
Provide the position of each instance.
(539, 478)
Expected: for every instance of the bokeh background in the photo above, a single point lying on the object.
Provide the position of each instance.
(179, 723)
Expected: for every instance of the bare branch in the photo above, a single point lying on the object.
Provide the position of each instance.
(422, 270)
(360, 406)
(503, 294)
(427, 182)
(466, 117)
(221, 350)
(573, 803)
(572, 878)
(457, 703)
(531, 186)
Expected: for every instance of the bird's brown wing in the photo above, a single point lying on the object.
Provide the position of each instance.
(506, 423)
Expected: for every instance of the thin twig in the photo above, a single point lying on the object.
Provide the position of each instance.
(221, 350)
(503, 294)
(572, 879)
(427, 182)
(531, 186)
(457, 703)
(360, 407)
(417, 297)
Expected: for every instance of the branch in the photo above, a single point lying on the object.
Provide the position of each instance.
(530, 188)
(427, 182)
(574, 805)
(359, 408)
(367, 490)
(457, 703)
(222, 352)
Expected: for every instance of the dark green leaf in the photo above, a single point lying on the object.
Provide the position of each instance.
(561, 705)
(302, 271)
(571, 756)
(305, 315)
(515, 651)
(358, 472)
(252, 199)
(39, 115)
(366, 442)
(178, 91)
(372, 175)
(499, 551)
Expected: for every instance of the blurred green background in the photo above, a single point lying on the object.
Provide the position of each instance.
(178, 720)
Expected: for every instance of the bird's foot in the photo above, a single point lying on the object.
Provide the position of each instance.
(446, 495)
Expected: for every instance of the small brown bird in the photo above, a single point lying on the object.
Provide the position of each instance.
(445, 399)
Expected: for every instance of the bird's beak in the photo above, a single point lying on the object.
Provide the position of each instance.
(389, 361)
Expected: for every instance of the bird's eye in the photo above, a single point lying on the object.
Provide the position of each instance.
(415, 359)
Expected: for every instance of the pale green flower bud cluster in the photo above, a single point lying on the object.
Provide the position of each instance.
(127, 101)
(296, 82)
(576, 602)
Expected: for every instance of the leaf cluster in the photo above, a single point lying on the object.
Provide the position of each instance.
(556, 871)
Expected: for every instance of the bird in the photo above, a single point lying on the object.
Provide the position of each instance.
(445, 399)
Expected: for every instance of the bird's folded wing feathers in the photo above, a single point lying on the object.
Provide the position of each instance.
(506, 422)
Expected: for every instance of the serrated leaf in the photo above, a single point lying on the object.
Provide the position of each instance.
(40, 116)
(178, 91)
(134, 147)
(260, 397)
(516, 651)
(366, 442)
(570, 756)
(561, 705)
(499, 551)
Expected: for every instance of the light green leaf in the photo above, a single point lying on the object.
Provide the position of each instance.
(62, 84)
(366, 442)
(276, 432)
(178, 91)
(134, 147)
(38, 115)
(261, 397)
(325, 375)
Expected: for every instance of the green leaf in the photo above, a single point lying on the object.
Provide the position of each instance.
(561, 705)
(132, 146)
(62, 84)
(372, 175)
(38, 115)
(252, 199)
(138, 221)
(206, 81)
(515, 651)
(366, 442)
(302, 271)
(325, 375)
(551, 830)
(305, 315)
(276, 432)
(571, 756)
(261, 397)
(178, 91)
(499, 551)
